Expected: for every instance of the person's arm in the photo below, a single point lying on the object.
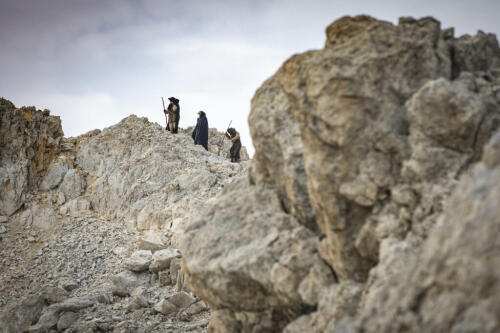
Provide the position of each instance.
(236, 137)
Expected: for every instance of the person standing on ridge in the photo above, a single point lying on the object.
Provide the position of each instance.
(200, 132)
(234, 152)
(173, 111)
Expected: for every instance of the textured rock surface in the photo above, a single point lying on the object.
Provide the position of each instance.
(29, 140)
(252, 260)
(361, 143)
(73, 241)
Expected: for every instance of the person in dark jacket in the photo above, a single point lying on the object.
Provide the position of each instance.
(200, 133)
(234, 152)
(173, 111)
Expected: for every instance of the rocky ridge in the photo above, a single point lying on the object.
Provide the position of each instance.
(89, 231)
(364, 151)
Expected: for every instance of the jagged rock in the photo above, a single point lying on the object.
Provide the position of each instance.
(74, 206)
(126, 281)
(19, 316)
(139, 261)
(165, 307)
(152, 244)
(67, 320)
(138, 173)
(175, 267)
(3, 219)
(69, 284)
(182, 299)
(278, 150)
(196, 308)
(72, 185)
(261, 255)
(161, 259)
(455, 270)
(47, 321)
(54, 295)
(164, 278)
(139, 291)
(137, 302)
(55, 174)
(42, 217)
(336, 310)
(29, 141)
(382, 125)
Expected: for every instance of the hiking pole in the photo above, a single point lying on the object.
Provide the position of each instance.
(166, 120)
(222, 140)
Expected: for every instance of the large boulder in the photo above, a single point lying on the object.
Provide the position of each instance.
(252, 265)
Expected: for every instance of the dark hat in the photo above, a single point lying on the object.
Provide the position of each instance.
(173, 100)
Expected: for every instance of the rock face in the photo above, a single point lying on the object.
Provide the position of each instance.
(29, 141)
(358, 147)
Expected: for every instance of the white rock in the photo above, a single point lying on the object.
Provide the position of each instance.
(55, 175)
(139, 261)
(165, 307)
(182, 300)
(161, 259)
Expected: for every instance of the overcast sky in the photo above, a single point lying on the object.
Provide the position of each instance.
(95, 62)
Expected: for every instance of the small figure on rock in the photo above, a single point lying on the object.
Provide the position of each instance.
(173, 111)
(200, 132)
(234, 152)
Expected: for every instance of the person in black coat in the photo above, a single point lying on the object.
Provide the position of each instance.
(234, 152)
(200, 133)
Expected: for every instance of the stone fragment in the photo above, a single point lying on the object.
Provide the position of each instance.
(165, 307)
(54, 295)
(66, 320)
(139, 261)
(136, 303)
(161, 259)
(182, 299)
(125, 282)
(164, 278)
(196, 308)
(55, 175)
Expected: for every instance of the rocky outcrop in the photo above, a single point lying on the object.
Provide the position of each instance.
(359, 144)
(29, 141)
(89, 244)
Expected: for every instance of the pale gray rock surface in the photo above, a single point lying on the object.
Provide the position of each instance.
(139, 261)
(362, 143)
(24, 158)
(250, 260)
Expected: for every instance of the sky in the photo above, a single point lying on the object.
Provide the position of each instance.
(94, 62)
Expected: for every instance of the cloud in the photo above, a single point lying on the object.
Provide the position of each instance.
(94, 62)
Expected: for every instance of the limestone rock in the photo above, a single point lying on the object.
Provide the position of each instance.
(67, 320)
(137, 302)
(26, 157)
(455, 270)
(165, 307)
(161, 259)
(54, 295)
(182, 300)
(17, 317)
(55, 174)
(126, 281)
(261, 255)
(139, 261)
(72, 185)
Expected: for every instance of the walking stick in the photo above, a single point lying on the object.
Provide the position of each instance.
(222, 140)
